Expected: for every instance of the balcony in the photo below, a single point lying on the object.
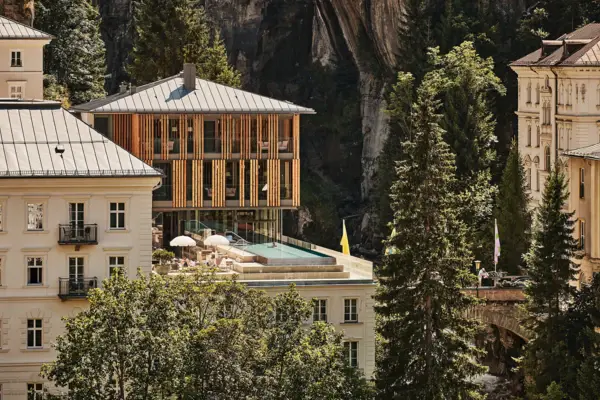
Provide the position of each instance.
(78, 234)
(75, 288)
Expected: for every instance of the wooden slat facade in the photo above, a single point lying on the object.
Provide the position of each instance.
(147, 136)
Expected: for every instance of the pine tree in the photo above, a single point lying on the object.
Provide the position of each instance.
(416, 36)
(76, 56)
(513, 215)
(169, 33)
(551, 269)
(427, 352)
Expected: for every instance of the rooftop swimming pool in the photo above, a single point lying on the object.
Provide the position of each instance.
(285, 254)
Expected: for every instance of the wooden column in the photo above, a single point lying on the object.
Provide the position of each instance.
(242, 189)
(245, 145)
(296, 183)
(198, 136)
(218, 183)
(259, 126)
(296, 136)
(273, 184)
(253, 183)
(197, 183)
(146, 122)
(136, 148)
(164, 134)
(183, 135)
(179, 182)
(273, 135)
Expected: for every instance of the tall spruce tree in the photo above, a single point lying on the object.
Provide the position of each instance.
(427, 353)
(416, 36)
(170, 33)
(76, 56)
(551, 269)
(513, 215)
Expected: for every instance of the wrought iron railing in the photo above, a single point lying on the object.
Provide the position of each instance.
(78, 234)
(71, 288)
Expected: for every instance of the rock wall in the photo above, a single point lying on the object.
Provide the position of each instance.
(19, 10)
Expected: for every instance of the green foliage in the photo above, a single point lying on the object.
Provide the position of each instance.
(416, 36)
(170, 33)
(513, 215)
(427, 351)
(163, 256)
(76, 56)
(551, 269)
(55, 91)
(193, 337)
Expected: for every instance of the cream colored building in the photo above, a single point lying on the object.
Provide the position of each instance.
(21, 60)
(559, 119)
(73, 206)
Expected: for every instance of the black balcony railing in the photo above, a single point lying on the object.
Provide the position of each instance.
(78, 234)
(75, 288)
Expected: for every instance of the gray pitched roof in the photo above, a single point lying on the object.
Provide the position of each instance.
(30, 132)
(10, 29)
(169, 96)
(578, 48)
(591, 152)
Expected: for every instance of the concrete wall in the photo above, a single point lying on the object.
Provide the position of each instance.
(30, 75)
(18, 302)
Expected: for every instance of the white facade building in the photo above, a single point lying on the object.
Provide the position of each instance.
(21, 60)
(559, 102)
(73, 207)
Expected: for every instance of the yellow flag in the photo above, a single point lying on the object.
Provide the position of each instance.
(344, 242)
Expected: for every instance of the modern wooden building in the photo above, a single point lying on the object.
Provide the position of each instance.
(231, 158)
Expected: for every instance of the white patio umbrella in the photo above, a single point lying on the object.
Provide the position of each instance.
(216, 240)
(183, 241)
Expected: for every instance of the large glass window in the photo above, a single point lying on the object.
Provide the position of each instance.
(207, 179)
(34, 333)
(232, 180)
(157, 133)
(35, 216)
(164, 192)
(286, 180)
(35, 266)
(212, 143)
(352, 353)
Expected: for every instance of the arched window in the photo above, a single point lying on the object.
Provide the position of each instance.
(547, 158)
(528, 135)
(537, 137)
(537, 94)
(528, 178)
(547, 83)
(529, 92)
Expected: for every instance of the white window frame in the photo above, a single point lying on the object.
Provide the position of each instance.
(112, 266)
(318, 306)
(16, 86)
(36, 392)
(351, 353)
(43, 220)
(348, 306)
(118, 212)
(42, 267)
(20, 52)
(35, 329)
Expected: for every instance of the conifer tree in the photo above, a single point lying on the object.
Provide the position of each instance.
(76, 55)
(513, 215)
(427, 352)
(170, 33)
(551, 269)
(416, 36)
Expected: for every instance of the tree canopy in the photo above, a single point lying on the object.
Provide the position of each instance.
(191, 337)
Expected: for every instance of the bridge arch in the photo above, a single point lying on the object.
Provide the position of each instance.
(503, 316)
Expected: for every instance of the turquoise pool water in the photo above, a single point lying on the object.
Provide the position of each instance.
(267, 250)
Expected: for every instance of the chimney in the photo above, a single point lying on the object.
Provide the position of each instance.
(189, 76)
(123, 87)
(133, 90)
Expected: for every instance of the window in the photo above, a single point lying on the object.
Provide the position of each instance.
(34, 333)
(583, 91)
(116, 264)
(320, 310)
(351, 349)
(538, 137)
(529, 92)
(35, 391)
(15, 59)
(35, 216)
(547, 158)
(529, 136)
(1, 214)
(528, 178)
(569, 94)
(581, 183)
(537, 94)
(75, 269)
(561, 94)
(350, 310)
(546, 113)
(35, 266)
(16, 91)
(537, 180)
(582, 234)
(117, 216)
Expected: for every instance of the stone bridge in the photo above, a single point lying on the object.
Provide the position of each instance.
(501, 308)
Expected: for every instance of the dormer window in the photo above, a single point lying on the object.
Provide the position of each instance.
(15, 58)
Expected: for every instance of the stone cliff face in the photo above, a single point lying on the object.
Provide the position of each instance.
(277, 44)
(19, 10)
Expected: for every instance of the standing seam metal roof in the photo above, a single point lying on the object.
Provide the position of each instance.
(30, 132)
(170, 96)
(10, 29)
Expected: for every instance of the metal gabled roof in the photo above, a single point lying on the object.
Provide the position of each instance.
(591, 152)
(10, 29)
(170, 96)
(30, 132)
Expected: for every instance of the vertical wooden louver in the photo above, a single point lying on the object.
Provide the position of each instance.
(164, 131)
(121, 124)
(218, 183)
(273, 135)
(179, 183)
(273, 184)
(183, 135)
(245, 139)
(198, 123)
(253, 183)
(242, 190)
(197, 183)
(146, 129)
(136, 145)
(296, 183)
(259, 140)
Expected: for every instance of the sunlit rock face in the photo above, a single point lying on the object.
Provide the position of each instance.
(18, 10)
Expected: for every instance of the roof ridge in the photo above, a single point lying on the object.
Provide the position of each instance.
(28, 27)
